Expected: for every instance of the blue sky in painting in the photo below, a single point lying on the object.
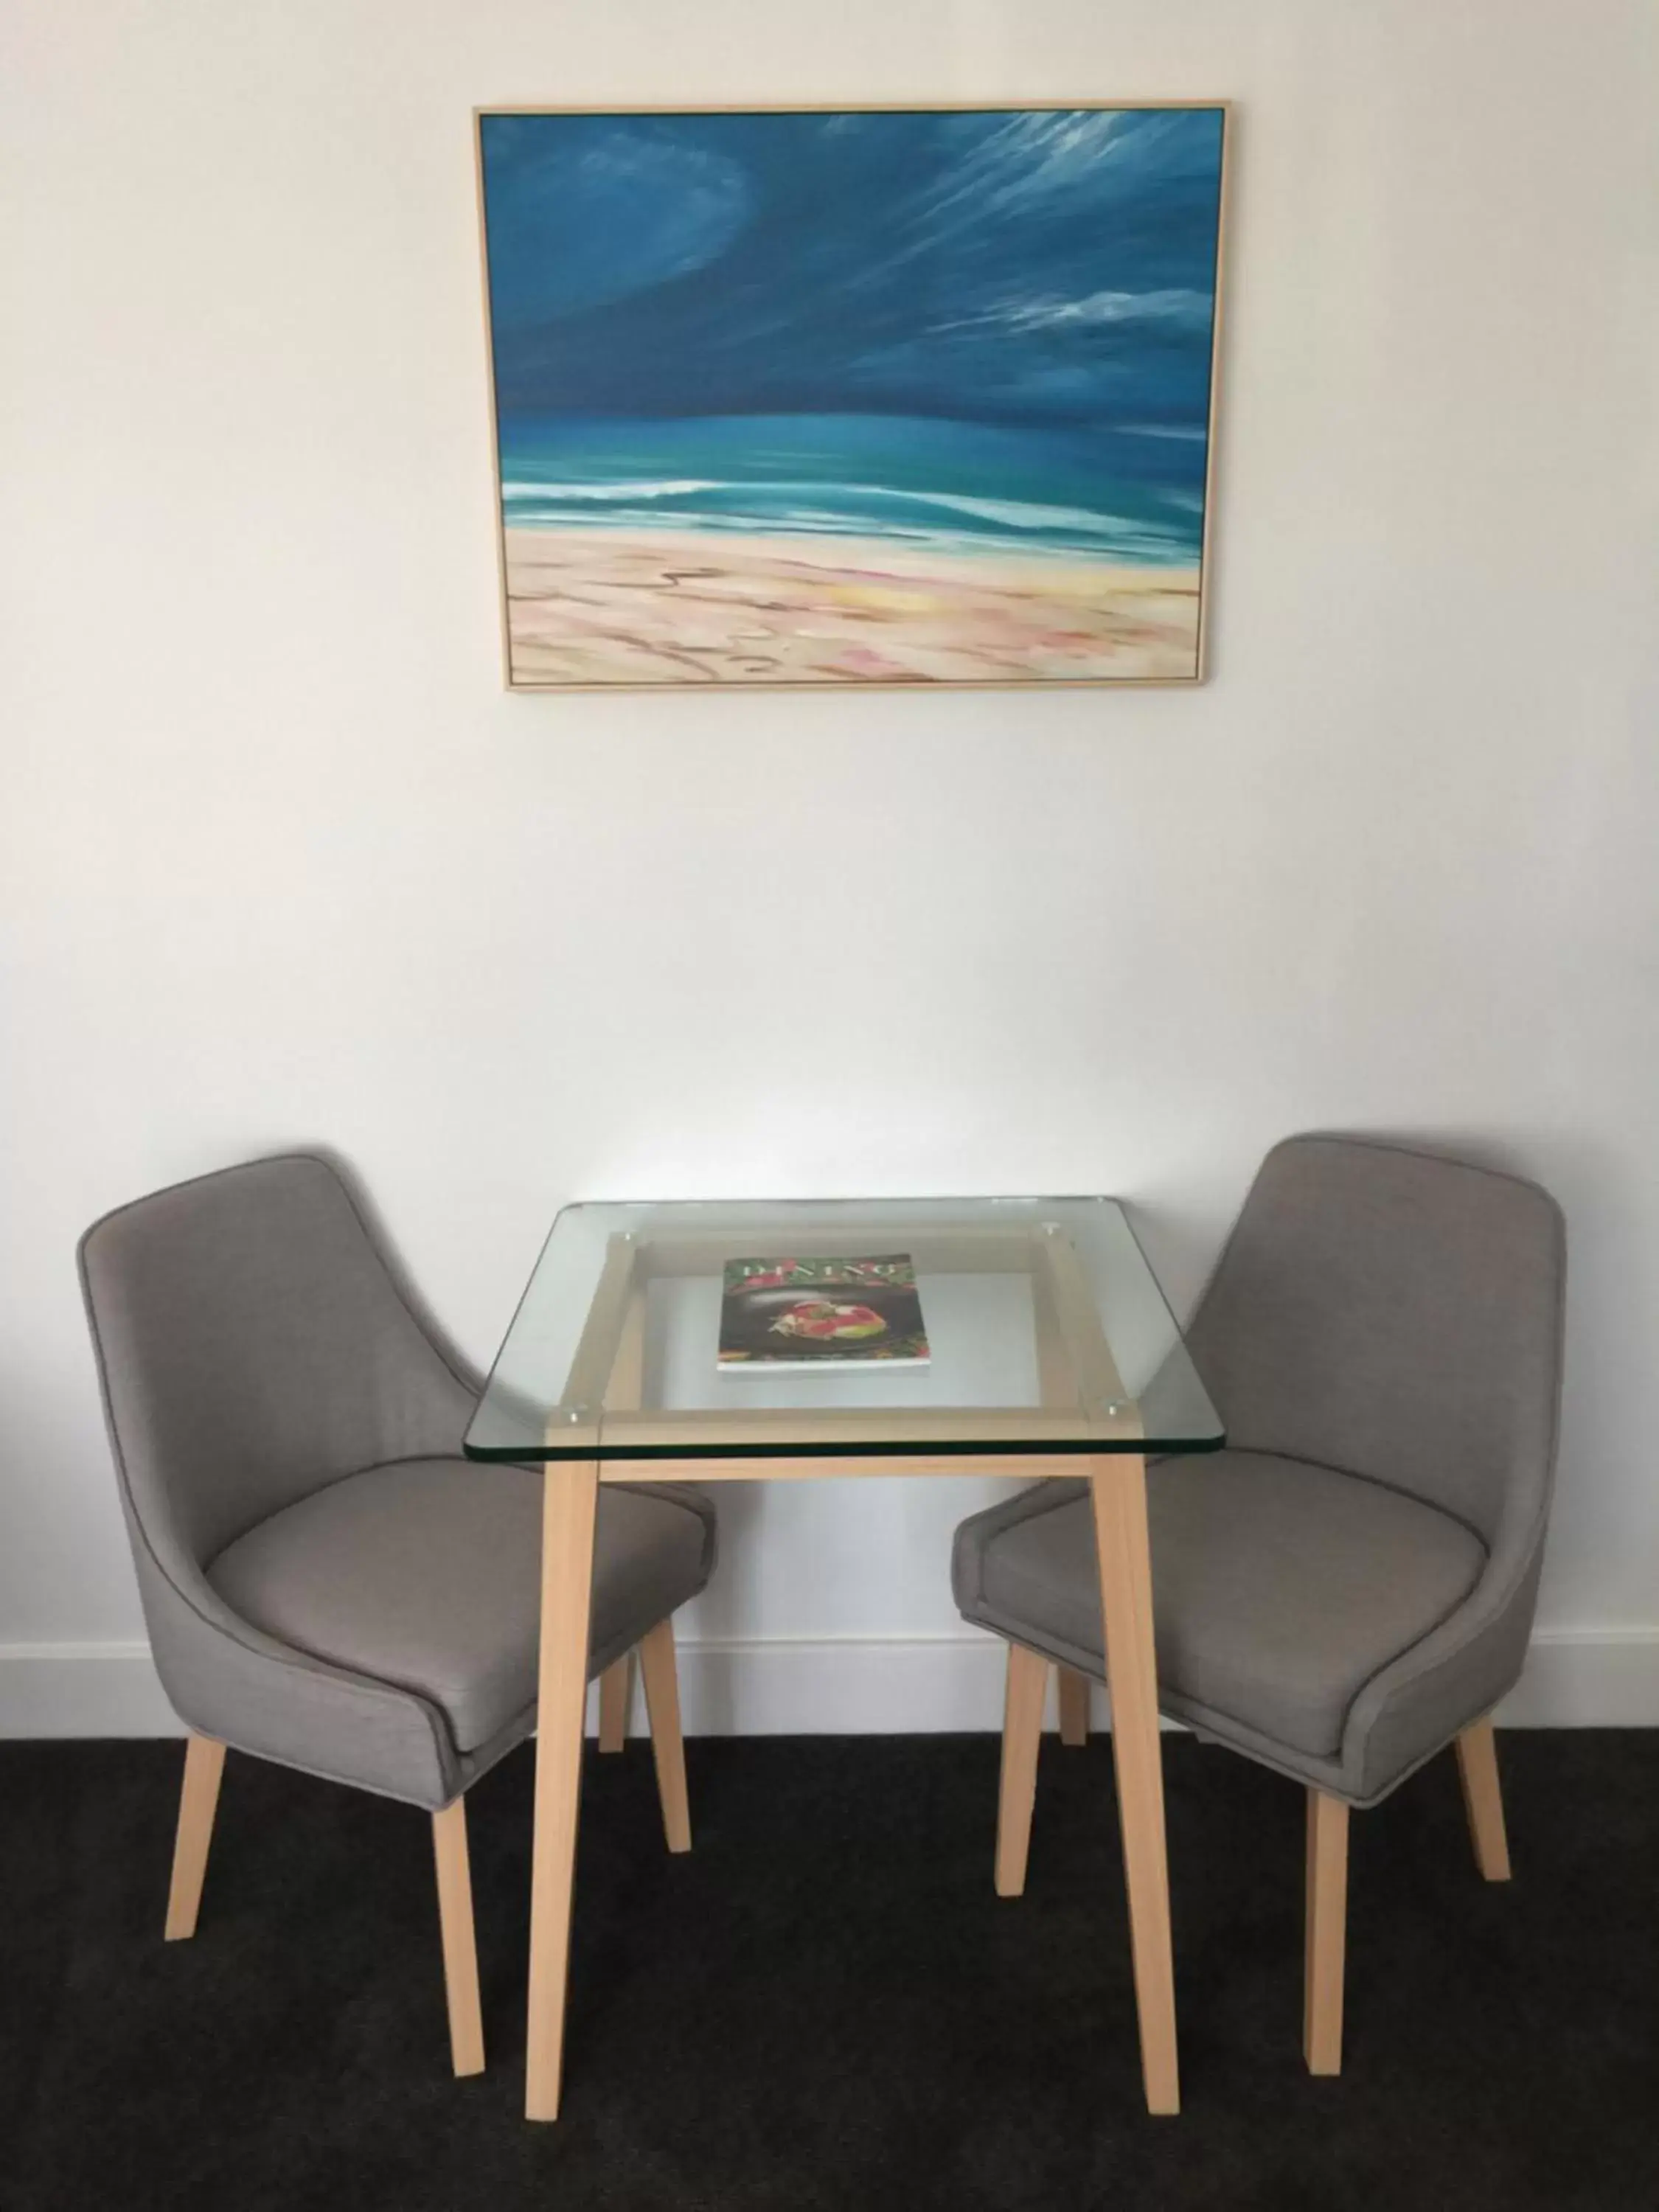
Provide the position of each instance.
(1015, 269)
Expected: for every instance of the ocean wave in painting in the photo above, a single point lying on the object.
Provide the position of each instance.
(958, 487)
(943, 519)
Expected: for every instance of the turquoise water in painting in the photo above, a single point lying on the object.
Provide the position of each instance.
(1129, 495)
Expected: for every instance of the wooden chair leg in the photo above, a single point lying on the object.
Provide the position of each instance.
(1327, 1932)
(1483, 1799)
(662, 1706)
(1021, 1732)
(1073, 1706)
(460, 1947)
(614, 1686)
(198, 1800)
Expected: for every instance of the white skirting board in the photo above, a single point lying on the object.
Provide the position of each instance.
(842, 1685)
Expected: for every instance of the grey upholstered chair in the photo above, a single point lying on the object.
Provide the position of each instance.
(1349, 1586)
(326, 1582)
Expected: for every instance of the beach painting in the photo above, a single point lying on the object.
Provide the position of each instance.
(860, 397)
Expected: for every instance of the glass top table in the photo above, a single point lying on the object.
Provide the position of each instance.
(1051, 1352)
(1047, 1330)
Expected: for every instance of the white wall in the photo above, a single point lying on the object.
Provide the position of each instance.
(281, 862)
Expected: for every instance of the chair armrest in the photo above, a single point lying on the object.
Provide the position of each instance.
(228, 1679)
(1453, 1677)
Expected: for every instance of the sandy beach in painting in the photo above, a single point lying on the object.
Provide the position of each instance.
(662, 606)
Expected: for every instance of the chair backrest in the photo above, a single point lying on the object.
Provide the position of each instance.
(253, 1346)
(1395, 1315)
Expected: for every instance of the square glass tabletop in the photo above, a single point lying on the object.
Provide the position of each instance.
(1046, 1329)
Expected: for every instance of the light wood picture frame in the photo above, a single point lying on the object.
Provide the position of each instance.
(804, 397)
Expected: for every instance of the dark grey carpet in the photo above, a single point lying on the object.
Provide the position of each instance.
(825, 2006)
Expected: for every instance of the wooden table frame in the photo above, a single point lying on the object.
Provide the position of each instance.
(1084, 1404)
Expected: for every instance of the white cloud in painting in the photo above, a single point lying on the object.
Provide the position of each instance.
(1048, 152)
(1185, 307)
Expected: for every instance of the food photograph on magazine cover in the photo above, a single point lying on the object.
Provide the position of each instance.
(813, 1313)
(853, 397)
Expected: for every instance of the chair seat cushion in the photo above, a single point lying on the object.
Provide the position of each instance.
(1280, 1589)
(426, 1573)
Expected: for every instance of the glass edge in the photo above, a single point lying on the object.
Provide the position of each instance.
(1181, 1343)
(939, 1198)
(518, 1306)
(1086, 1448)
(1158, 1289)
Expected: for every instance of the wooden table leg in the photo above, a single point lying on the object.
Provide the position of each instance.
(570, 1500)
(1118, 1486)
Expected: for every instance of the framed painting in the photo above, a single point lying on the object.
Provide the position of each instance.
(856, 396)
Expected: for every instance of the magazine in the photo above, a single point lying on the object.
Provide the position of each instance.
(778, 1314)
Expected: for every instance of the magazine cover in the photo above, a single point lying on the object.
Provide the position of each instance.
(816, 1313)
